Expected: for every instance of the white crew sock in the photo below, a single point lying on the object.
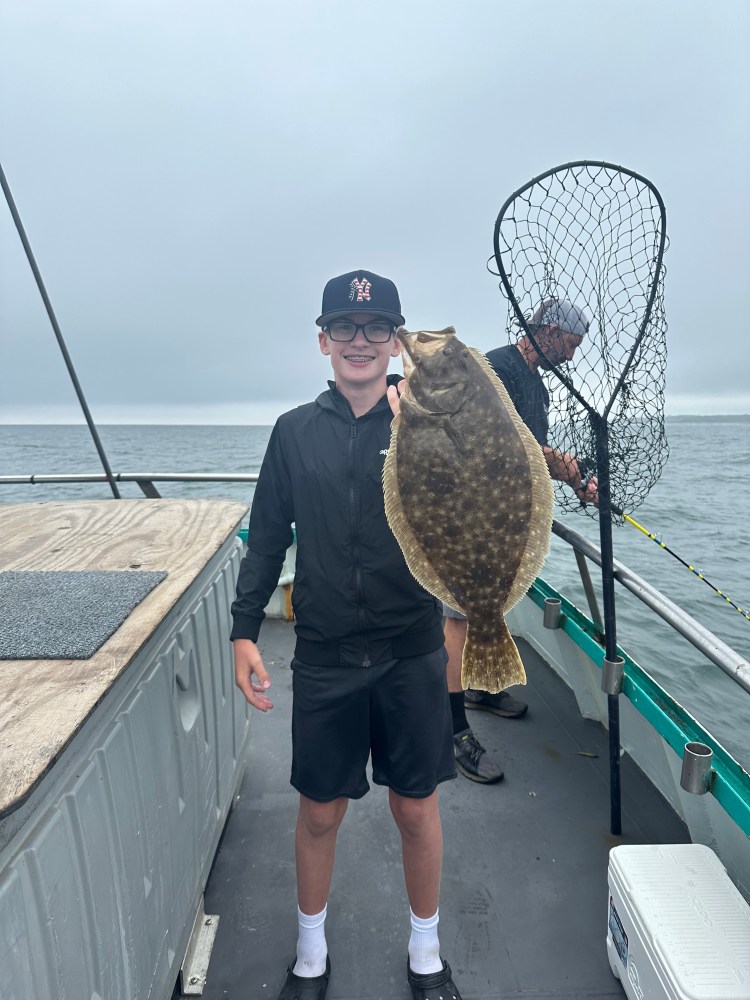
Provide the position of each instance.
(312, 949)
(424, 947)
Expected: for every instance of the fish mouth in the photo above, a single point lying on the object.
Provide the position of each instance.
(431, 410)
(421, 342)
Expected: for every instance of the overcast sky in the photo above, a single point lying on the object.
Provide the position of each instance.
(190, 175)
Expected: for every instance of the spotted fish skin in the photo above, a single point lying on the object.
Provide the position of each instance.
(468, 496)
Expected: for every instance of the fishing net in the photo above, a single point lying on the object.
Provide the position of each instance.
(594, 234)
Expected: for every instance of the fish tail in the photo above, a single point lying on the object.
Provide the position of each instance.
(491, 661)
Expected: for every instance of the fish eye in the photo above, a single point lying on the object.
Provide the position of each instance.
(448, 351)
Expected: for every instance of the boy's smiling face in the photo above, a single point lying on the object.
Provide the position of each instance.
(358, 363)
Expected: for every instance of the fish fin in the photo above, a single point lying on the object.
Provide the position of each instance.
(453, 433)
(408, 365)
(542, 495)
(416, 559)
(491, 661)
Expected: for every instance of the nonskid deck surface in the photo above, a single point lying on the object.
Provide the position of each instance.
(524, 894)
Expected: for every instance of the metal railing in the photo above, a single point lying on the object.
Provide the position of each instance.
(145, 480)
(698, 635)
(133, 477)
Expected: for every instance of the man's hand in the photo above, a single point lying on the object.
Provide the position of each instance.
(564, 466)
(394, 392)
(249, 662)
(588, 492)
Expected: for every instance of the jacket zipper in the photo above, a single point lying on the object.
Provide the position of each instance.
(358, 586)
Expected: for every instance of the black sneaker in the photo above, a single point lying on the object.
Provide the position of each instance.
(499, 704)
(472, 759)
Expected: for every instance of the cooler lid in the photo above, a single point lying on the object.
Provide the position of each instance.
(695, 918)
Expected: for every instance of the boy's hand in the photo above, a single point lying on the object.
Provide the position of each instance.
(394, 393)
(249, 662)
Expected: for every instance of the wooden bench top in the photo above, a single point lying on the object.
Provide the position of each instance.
(44, 702)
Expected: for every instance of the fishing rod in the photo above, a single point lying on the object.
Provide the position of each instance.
(58, 334)
(587, 466)
(687, 565)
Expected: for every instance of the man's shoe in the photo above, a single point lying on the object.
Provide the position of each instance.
(499, 704)
(473, 761)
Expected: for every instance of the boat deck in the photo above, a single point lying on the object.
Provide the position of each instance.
(524, 895)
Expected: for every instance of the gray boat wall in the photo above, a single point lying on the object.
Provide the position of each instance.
(103, 867)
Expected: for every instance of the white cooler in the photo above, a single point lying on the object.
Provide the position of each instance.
(678, 927)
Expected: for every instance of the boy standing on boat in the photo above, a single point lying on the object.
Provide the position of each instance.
(369, 666)
(558, 327)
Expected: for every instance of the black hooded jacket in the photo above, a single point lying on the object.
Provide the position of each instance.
(355, 601)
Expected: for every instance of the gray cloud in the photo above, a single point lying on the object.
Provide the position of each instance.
(190, 177)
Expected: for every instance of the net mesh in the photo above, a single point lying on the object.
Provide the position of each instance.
(594, 234)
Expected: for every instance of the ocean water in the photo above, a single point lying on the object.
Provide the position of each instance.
(700, 508)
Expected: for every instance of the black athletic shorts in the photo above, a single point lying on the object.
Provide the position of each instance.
(398, 712)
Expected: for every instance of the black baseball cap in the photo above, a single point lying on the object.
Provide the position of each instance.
(360, 291)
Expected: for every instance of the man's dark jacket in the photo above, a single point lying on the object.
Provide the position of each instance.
(355, 601)
(526, 389)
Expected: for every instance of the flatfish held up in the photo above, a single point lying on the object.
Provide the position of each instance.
(468, 496)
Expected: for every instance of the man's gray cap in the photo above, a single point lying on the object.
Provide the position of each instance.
(560, 313)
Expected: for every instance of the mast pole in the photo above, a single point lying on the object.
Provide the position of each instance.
(58, 334)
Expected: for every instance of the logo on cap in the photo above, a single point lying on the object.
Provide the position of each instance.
(360, 289)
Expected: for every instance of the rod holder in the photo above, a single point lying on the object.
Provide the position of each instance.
(613, 672)
(552, 606)
(697, 774)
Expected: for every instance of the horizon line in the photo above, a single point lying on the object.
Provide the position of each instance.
(4, 422)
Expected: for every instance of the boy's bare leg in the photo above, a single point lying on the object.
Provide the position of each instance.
(315, 850)
(418, 821)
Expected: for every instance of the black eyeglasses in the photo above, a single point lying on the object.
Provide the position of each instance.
(377, 331)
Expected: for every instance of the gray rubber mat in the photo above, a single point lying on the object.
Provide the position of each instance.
(66, 615)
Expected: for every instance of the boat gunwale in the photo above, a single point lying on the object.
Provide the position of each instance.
(730, 785)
